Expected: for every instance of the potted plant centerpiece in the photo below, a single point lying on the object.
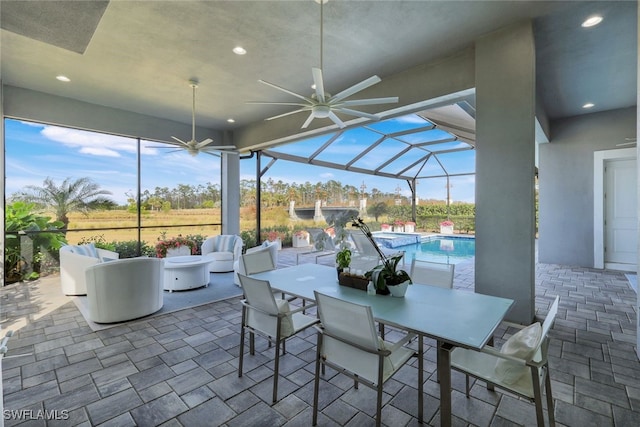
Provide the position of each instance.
(343, 259)
(386, 277)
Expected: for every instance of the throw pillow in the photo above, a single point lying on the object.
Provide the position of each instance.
(522, 345)
(225, 243)
(87, 250)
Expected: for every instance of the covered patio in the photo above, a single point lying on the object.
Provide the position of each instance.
(181, 368)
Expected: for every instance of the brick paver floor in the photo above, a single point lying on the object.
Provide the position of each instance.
(180, 369)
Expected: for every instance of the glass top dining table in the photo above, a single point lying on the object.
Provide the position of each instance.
(454, 318)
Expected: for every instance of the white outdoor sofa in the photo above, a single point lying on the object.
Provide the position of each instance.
(74, 260)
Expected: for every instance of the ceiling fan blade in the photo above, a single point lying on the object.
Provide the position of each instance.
(336, 119)
(158, 146)
(356, 88)
(166, 144)
(319, 84)
(204, 143)
(289, 113)
(369, 101)
(211, 153)
(179, 140)
(357, 113)
(286, 91)
(222, 147)
(308, 121)
(298, 104)
(175, 151)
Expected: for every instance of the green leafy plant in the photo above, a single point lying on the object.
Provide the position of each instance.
(23, 226)
(343, 258)
(386, 273)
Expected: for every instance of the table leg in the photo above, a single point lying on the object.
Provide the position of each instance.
(420, 379)
(444, 373)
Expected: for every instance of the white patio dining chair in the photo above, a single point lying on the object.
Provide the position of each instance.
(348, 343)
(364, 248)
(521, 366)
(258, 262)
(432, 273)
(270, 317)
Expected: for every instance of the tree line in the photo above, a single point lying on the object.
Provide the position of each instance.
(84, 195)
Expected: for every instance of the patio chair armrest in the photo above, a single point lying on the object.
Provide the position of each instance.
(299, 309)
(3, 343)
(496, 353)
(385, 352)
(513, 325)
(250, 307)
(408, 337)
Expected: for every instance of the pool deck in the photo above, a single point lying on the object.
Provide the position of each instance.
(179, 369)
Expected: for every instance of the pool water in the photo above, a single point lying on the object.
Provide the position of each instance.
(449, 250)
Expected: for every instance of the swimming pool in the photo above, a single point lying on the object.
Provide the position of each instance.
(449, 250)
(393, 240)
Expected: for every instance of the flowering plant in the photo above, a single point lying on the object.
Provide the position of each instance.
(163, 245)
(398, 222)
(272, 236)
(302, 234)
(330, 231)
(446, 223)
(385, 274)
(411, 223)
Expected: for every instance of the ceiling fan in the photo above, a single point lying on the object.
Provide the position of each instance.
(322, 104)
(194, 147)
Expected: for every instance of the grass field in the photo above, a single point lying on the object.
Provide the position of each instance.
(174, 222)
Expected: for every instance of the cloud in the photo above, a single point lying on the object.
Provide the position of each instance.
(327, 175)
(93, 143)
(99, 151)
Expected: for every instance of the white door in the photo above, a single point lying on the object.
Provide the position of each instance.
(620, 212)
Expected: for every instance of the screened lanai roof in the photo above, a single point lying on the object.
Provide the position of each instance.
(435, 143)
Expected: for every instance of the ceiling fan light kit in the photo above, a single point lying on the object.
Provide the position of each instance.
(321, 104)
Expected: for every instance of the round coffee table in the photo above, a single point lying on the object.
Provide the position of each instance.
(186, 272)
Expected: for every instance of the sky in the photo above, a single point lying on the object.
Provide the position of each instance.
(37, 151)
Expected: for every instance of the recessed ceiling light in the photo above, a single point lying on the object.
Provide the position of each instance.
(588, 105)
(63, 78)
(231, 121)
(592, 21)
(238, 50)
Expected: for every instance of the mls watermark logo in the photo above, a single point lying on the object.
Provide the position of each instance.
(30, 414)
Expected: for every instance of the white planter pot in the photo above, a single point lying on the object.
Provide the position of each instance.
(446, 229)
(300, 242)
(399, 290)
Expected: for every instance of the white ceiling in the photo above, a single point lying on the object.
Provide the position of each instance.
(139, 55)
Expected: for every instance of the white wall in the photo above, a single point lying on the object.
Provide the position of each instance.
(566, 183)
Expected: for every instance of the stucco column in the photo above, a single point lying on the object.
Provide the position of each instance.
(505, 166)
(230, 183)
(638, 185)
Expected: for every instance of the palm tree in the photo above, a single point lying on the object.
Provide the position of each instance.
(377, 210)
(81, 195)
